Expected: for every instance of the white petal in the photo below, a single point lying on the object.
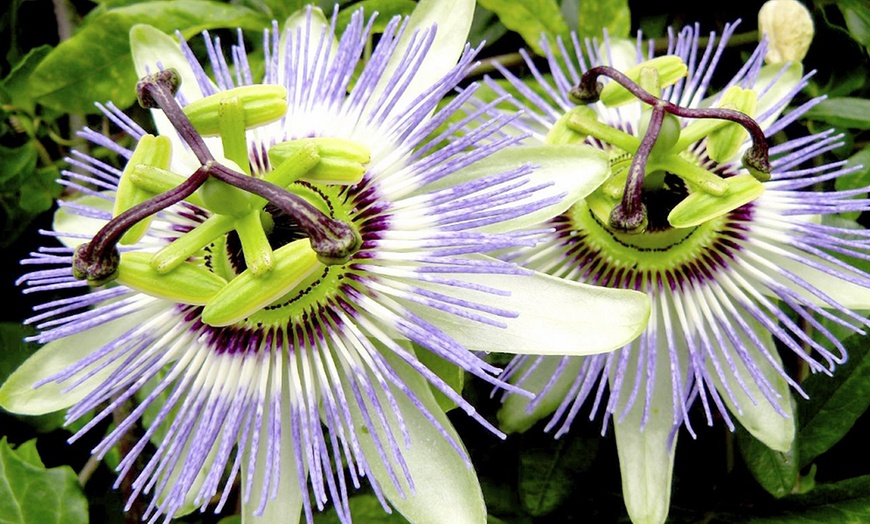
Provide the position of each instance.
(152, 48)
(646, 455)
(446, 488)
(453, 20)
(556, 316)
(514, 417)
(18, 394)
(760, 418)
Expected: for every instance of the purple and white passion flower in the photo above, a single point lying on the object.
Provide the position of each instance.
(729, 238)
(275, 273)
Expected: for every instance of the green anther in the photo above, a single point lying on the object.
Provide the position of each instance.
(699, 208)
(246, 294)
(724, 143)
(650, 81)
(670, 70)
(290, 162)
(232, 132)
(187, 284)
(152, 151)
(341, 161)
(561, 133)
(601, 203)
(697, 130)
(332, 170)
(263, 103)
(255, 243)
(190, 243)
(697, 176)
(584, 124)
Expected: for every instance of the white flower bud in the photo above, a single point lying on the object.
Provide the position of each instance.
(788, 26)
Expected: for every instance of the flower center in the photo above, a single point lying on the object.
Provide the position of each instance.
(270, 238)
(658, 181)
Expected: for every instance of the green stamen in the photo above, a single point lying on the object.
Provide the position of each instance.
(188, 283)
(151, 150)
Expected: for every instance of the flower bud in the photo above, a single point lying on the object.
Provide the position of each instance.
(788, 26)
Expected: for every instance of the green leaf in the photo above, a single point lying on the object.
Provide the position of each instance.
(847, 501)
(850, 112)
(530, 18)
(856, 13)
(386, 9)
(835, 402)
(30, 493)
(16, 85)
(595, 17)
(363, 508)
(859, 178)
(548, 473)
(775, 471)
(96, 64)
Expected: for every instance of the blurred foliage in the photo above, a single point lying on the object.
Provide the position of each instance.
(63, 56)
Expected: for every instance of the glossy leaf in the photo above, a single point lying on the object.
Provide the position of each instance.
(96, 64)
(30, 493)
(850, 112)
(835, 402)
(612, 15)
(844, 501)
(529, 18)
(548, 474)
(775, 471)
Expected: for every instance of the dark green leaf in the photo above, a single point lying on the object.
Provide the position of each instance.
(386, 9)
(859, 178)
(30, 493)
(613, 15)
(849, 112)
(363, 508)
(847, 501)
(835, 402)
(16, 85)
(96, 65)
(775, 471)
(530, 18)
(16, 163)
(548, 474)
(856, 13)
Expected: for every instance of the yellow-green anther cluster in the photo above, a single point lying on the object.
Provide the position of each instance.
(724, 142)
(670, 70)
(263, 103)
(700, 207)
(187, 284)
(153, 151)
(341, 161)
(247, 293)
